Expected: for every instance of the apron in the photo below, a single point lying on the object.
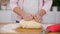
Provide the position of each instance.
(30, 6)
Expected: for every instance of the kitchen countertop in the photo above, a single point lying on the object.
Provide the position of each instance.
(27, 31)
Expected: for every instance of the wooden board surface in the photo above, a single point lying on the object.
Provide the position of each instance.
(28, 31)
(32, 31)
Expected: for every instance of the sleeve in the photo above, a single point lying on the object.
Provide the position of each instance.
(13, 4)
(47, 5)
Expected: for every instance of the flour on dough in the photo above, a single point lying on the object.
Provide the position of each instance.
(30, 24)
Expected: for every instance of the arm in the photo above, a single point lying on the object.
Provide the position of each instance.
(46, 7)
(43, 11)
(19, 11)
(15, 8)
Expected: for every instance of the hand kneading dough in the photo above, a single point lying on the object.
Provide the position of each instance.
(30, 24)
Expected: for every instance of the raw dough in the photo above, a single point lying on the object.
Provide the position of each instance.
(30, 24)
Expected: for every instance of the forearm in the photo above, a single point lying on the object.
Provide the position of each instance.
(19, 11)
(46, 7)
(42, 12)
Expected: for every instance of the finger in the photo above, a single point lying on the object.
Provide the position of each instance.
(40, 21)
(35, 19)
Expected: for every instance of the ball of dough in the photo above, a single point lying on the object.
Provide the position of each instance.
(30, 24)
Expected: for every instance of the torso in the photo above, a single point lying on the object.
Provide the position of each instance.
(30, 6)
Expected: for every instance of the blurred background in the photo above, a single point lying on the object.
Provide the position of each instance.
(6, 14)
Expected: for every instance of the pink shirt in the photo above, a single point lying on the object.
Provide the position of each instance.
(42, 4)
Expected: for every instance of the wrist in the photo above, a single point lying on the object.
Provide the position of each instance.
(42, 12)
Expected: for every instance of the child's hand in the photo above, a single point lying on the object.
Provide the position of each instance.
(27, 17)
(38, 18)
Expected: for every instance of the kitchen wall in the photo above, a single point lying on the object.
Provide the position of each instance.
(52, 17)
(5, 16)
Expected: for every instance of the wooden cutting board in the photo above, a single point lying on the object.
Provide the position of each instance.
(29, 31)
(32, 31)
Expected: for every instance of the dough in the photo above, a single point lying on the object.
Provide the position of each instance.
(30, 24)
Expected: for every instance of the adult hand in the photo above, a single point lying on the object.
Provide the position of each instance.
(38, 18)
(27, 17)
